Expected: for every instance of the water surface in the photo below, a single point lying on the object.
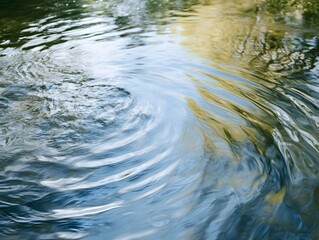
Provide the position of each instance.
(147, 119)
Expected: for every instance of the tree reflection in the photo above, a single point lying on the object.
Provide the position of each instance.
(246, 33)
(269, 51)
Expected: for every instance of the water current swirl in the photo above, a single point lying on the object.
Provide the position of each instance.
(173, 119)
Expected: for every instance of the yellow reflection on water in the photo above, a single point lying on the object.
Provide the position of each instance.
(224, 128)
(217, 31)
(276, 198)
(240, 33)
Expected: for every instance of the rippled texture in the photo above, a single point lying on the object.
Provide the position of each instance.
(127, 119)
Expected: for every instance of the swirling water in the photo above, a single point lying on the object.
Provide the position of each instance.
(147, 119)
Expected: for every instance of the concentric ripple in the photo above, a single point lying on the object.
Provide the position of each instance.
(146, 119)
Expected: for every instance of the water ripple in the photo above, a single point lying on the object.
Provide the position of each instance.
(145, 119)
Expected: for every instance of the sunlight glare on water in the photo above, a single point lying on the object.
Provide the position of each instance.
(172, 119)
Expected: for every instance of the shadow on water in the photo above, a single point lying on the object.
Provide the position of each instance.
(128, 119)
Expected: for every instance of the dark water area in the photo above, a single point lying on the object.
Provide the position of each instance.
(166, 119)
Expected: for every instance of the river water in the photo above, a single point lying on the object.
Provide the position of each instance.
(165, 119)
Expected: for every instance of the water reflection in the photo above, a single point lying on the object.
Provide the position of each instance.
(158, 119)
(275, 59)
